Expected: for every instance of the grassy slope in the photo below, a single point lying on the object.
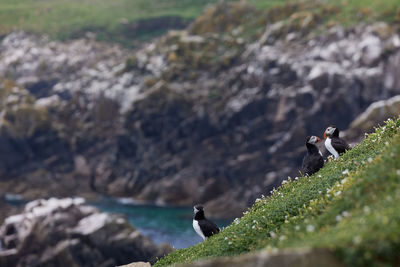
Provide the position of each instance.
(63, 19)
(350, 206)
(352, 11)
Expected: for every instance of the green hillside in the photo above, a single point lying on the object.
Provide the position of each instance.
(114, 20)
(63, 19)
(350, 206)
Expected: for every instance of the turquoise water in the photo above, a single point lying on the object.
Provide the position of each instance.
(171, 225)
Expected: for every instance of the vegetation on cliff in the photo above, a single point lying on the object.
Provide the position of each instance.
(349, 207)
(127, 21)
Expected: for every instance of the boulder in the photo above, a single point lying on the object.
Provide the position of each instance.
(137, 264)
(376, 113)
(66, 232)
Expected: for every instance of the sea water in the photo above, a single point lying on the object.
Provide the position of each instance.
(163, 224)
(172, 225)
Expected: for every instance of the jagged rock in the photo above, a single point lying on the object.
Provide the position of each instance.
(67, 232)
(50, 68)
(288, 258)
(374, 114)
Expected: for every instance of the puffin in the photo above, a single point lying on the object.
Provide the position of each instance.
(313, 160)
(203, 227)
(333, 143)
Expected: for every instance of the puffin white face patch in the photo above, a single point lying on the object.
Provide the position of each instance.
(329, 131)
(195, 210)
(313, 140)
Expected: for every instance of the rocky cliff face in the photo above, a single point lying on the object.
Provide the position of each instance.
(66, 232)
(215, 114)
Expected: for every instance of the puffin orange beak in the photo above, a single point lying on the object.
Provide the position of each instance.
(324, 135)
(318, 139)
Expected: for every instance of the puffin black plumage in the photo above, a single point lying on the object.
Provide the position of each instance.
(335, 145)
(312, 161)
(203, 227)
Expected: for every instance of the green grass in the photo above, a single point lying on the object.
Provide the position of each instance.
(350, 207)
(65, 19)
(354, 11)
(351, 11)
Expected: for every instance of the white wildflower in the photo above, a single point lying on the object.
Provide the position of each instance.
(338, 193)
(310, 228)
(345, 214)
(297, 228)
(367, 210)
(272, 234)
(282, 237)
(370, 160)
(339, 218)
(398, 172)
(346, 171)
(357, 240)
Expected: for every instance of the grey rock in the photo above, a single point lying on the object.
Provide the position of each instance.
(375, 114)
(67, 232)
(137, 264)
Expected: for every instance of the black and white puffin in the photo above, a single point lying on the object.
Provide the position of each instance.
(333, 143)
(313, 160)
(203, 227)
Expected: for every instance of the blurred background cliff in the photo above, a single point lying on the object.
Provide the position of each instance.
(137, 104)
